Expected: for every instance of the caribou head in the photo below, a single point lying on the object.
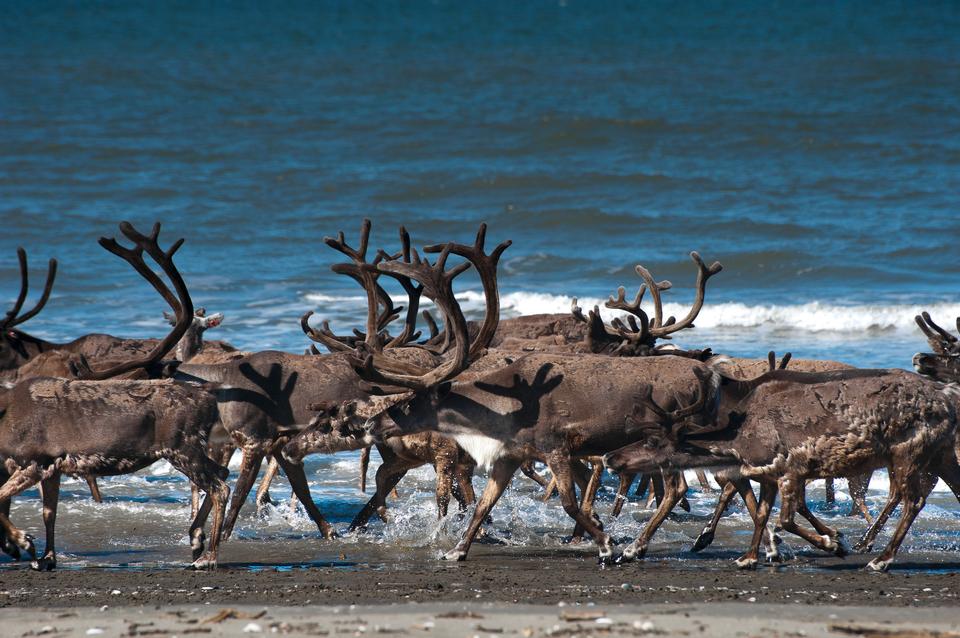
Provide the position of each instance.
(943, 364)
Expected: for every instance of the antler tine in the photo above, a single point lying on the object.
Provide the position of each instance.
(12, 319)
(324, 335)
(655, 289)
(645, 395)
(703, 274)
(24, 285)
(181, 304)
(47, 289)
(366, 276)
(784, 361)
(413, 291)
(577, 311)
(431, 323)
(639, 333)
(486, 265)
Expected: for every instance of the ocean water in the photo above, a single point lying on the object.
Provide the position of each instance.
(814, 150)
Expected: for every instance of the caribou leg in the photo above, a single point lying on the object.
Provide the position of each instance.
(94, 489)
(528, 469)
(391, 470)
(249, 468)
(444, 465)
(791, 496)
(674, 487)
(22, 479)
(625, 481)
(768, 493)
(705, 486)
(561, 465)
(858, 486)
(948, 471)
(706, 535)
(500, 474)
(208, 476)
(298, 481)
(587, 498)
(6, 545)
(50, 495)
(263, 490)
(913, 498)
(463, 488)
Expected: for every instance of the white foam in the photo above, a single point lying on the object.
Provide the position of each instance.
(810, 317)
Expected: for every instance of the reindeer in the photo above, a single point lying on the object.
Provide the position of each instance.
(785, 427)
(453, 466)
(943, 365)
(537, 406)
(96, 426)
(266, 397)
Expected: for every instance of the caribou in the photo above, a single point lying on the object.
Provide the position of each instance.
(99, 425)
(785, 427)
(552, 407)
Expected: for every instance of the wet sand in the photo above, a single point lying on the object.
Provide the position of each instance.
(494, 574)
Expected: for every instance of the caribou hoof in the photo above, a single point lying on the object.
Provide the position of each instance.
(703, 540)
(330, 534)
(863, 547)
(455, 554)
(836, 546)
(204, 563)
(746, 562)
(879, 566)
(46, 564)
(684, 504)
(842, 550)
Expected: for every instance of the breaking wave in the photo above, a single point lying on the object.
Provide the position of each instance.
(808, 317)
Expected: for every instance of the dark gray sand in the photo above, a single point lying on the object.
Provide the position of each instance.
(493, 573)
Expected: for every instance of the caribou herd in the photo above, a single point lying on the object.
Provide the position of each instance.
(569, 391)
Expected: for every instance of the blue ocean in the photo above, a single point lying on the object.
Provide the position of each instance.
(813, 149)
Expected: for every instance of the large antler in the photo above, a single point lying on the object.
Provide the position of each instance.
(376, 296)
(13, 316)
(437, 285)
(661, 329)
(638, 335)
(180, 302)
(486, 265)
(941, 341)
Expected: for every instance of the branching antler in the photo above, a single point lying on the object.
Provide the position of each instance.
(180, 302)
(941, 341)
(638, 335)
(486, 265)
(13, 317)
(437, 285)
